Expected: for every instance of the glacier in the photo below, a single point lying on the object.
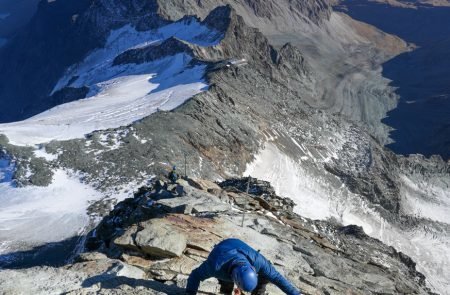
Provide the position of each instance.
(120, 101)
(120, 94)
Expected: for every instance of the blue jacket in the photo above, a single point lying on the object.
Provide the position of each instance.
(228, 253)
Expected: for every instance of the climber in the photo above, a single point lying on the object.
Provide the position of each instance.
(234, 262)
(173, 175)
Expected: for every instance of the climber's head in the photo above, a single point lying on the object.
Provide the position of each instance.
(245, 277)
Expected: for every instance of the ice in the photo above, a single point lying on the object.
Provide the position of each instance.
(427, 244)
(291, 180)
(425, 199)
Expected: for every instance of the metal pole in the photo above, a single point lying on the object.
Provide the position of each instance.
(248, 189)
(185, 165)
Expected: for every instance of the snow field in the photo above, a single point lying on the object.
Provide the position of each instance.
(33, 216)
(37, 215)
(316, 199)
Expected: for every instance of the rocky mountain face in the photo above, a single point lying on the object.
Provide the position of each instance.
(14, 15)
(302, 111)
(39, 55)
(420, 122)
(149, 244)
(57, 28)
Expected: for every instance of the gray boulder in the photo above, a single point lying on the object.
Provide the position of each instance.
(126, 240)
(193, 201)
(160, 239)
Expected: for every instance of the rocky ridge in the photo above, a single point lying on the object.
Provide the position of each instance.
(246, 109)
(149, 244)
(243, 108)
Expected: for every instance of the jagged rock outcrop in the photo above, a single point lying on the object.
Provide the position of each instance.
(318, 257)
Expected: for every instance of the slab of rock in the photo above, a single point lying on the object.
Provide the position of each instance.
(196, 254)
(202, 233)
(90, 256)
(125, 270)
(182, 265)
(208, 205)
(194, 202)
(245, 201)
(137, 261)
(160, 239)
(176, 205)
(205, 185)
(126, 240)
(183, 182)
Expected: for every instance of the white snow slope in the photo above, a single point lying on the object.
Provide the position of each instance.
(37, 215)
(317, 199)
(120, 94)
(34, 216)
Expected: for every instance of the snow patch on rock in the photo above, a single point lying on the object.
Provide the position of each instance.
(425, 200)
(290, 180)
(40, 152)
